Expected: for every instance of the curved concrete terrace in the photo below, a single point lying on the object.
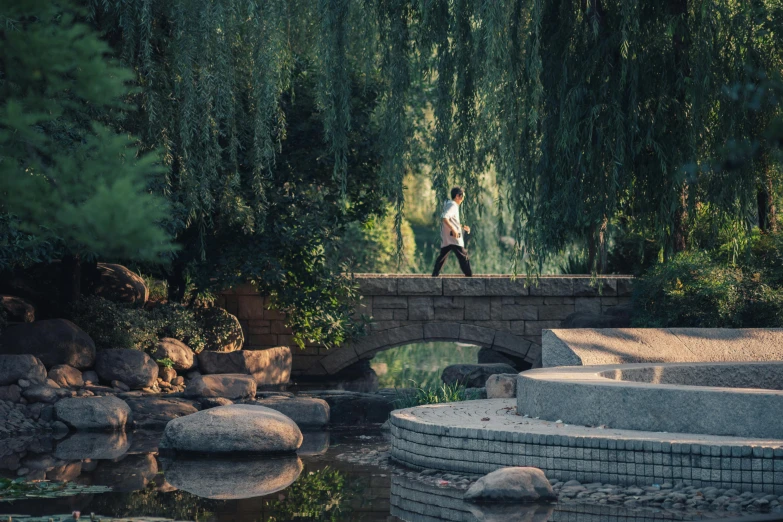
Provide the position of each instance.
(477, 437)
(700, 397)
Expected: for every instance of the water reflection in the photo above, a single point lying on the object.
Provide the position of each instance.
(100, 446)
(235, 478)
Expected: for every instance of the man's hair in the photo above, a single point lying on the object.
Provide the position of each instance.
(456, 191)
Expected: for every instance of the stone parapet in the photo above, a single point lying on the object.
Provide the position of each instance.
(477, 437)
(496, 311)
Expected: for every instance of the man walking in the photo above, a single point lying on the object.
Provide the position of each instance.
(451, 236)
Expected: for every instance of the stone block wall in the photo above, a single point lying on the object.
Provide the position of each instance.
(494, 311)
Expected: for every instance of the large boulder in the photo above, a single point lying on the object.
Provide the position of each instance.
(180, 353)
(43, 393)
(121, 285)
(237, 428)
(105, 413)
(66, 376)
(270, 366)
(228, 479)
(352, 408)
(222, 331)
(53, 341)
(15, 367)
(228, 386)
(473, 375)
(156, 412)
(306, 412)
(502, 386)
(516, 484)
(16, 309)
(133, 367)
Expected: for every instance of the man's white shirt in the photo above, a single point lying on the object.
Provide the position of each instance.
(451, 213)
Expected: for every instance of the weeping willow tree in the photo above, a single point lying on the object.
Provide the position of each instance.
(288, 119)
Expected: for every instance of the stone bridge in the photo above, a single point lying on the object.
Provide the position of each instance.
(497, 312)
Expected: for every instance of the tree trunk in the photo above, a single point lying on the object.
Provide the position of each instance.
(766, 208)
(177, 285)
(71, 279)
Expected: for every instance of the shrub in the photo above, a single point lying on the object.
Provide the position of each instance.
(115, 325)
(430, 395)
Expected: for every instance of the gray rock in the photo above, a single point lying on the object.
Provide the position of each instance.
(15, 367)
(270, 366)
(66, 376)
(167, 375)
(53, 341)
(121, 285)
(515, 484)
(226, 479)
(180, 353)
(10, 393)
(17, 309)
(94, 413)
(156, 412)
(233, 429)
(502, 386)
(304, 411)
(353, 408)
(40, 393)
(90, 377)
(229, 386)
(50, 383)
(473, 375)
(133, 367)
(214, 402)
(24, 383)
(84, 445)
(119, 385)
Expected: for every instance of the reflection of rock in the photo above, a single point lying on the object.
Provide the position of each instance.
(233, 429)
(65, 473)
(83, 445)
(130, 473)
(314, 443)
(227, 479)
(156, 412)
(144, 441)
(512, 512)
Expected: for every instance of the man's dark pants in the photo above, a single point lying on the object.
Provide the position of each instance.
(462, 257)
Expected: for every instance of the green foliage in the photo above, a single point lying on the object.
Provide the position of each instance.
(66, 178)
(165, 362)
(699, 290)
(115, 325)
(432, 394)
(372, 247)
(18, 489)
(319, 495)
(421, 363)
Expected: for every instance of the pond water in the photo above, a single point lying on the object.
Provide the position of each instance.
(420, 364)
(338, 476)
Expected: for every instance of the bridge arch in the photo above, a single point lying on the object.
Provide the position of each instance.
(380, 340)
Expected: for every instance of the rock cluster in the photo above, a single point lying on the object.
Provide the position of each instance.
(20, 419)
